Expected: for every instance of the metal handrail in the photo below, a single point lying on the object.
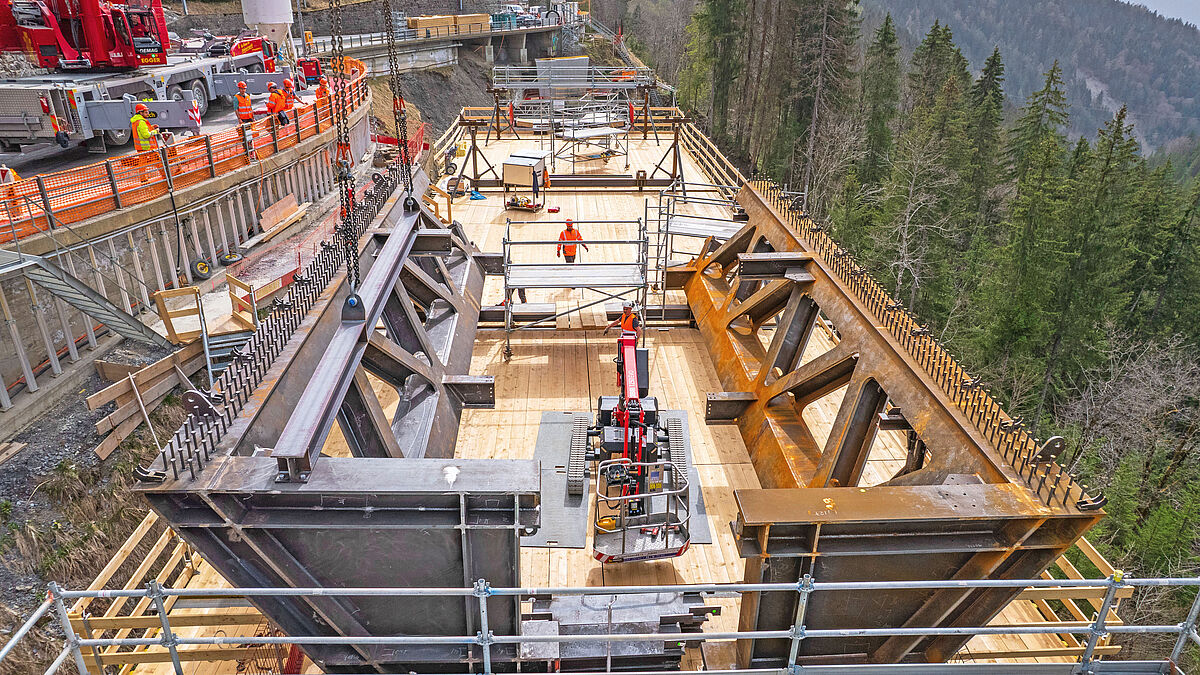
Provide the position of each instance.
(1096, 629)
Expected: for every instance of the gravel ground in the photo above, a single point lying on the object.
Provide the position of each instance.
(66, 434)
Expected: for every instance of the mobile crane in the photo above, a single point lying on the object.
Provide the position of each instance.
(106, 57)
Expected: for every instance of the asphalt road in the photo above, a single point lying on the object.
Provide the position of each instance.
(48, 157)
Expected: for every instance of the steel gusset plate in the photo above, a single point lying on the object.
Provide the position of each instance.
(961, 509)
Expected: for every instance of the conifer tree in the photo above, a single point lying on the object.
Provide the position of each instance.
(881, 98)
(1045, 112)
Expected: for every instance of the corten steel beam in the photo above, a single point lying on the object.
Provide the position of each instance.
(978, 507)
(267, 509)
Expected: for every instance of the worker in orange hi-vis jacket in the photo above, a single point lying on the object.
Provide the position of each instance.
(277, 102)
(628, 321)
(568, 250)
(15, 206)
(245, 111)
(145, 140)
(289, 93)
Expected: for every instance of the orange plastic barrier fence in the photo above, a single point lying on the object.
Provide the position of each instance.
(83, 192)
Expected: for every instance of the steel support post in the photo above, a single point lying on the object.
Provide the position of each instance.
(1186, 629)
(482, 592)
(1086, 660)
(69, 636)
(805, 589)
(169, 639)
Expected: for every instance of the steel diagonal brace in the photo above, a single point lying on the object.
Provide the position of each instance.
(316, 411)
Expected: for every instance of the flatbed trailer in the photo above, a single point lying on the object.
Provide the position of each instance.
(95, 108)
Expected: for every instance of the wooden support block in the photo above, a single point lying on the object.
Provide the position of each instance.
(562, 321)
(9, 450)
(159, 389)
(114, 372)
(144, 376)
(286, 222)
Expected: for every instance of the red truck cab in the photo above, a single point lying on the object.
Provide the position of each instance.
(85, 34)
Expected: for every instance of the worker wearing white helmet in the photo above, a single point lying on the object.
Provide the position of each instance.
(628, 321)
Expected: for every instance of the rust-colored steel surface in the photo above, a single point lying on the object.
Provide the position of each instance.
(978, 497)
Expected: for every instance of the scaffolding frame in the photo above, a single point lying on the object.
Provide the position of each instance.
(612, 287)
(1097, 630)
(667, 207)
(606, 140)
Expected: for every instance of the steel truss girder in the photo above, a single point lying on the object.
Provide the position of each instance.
(400, 511)
(965, 513)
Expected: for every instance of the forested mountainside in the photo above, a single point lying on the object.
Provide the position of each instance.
(1062, 268)
(1111, 53)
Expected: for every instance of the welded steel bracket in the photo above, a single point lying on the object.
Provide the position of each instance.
(475, 391)
(725, 406)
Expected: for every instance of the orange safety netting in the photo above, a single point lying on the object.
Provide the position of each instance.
(80, 193)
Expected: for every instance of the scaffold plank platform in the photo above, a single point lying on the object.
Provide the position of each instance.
(577, 275)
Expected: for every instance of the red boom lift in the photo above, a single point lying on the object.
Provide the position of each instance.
(85, 34)
(642, 509)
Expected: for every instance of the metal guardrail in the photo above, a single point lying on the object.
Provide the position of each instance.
(84, 192)
(485, 639)
(479, 29)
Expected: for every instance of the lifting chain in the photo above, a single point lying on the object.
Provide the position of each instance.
(347, 232)
(399, 114)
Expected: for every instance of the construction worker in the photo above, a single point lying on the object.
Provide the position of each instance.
(245, 113)
(145, 138)
(15, 207)
(628, 321)
(289, 93)
(567, 251)
(277, 102)
(322, 89)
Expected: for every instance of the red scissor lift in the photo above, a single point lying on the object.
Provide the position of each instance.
(641, 509)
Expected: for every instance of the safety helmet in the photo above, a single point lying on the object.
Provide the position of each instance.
(242, 85)
(570, 224)
(324, 80)
(272, 86)
(141, 108)
(287, 84)
(627, 305)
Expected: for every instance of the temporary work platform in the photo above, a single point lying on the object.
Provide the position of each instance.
(623, 279)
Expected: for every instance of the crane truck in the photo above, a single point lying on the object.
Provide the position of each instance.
(101, 59)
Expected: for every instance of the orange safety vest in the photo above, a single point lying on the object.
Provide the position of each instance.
(143, 133)
(569, 235)
(289, 98)
(276, 102)
(244, 112)
(629, 322)
(322, 91)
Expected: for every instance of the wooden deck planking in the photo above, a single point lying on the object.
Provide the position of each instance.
(567, 370)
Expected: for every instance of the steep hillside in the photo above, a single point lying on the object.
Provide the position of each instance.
(1111, 53)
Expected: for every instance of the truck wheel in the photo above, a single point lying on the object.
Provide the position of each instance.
(175, 93)
(200, 91)
(255, 68)
(117, 137)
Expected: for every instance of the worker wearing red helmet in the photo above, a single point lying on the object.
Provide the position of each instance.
(245, 113)
(276, 102)
(289, 93)
(569, 234)
(145, 137)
